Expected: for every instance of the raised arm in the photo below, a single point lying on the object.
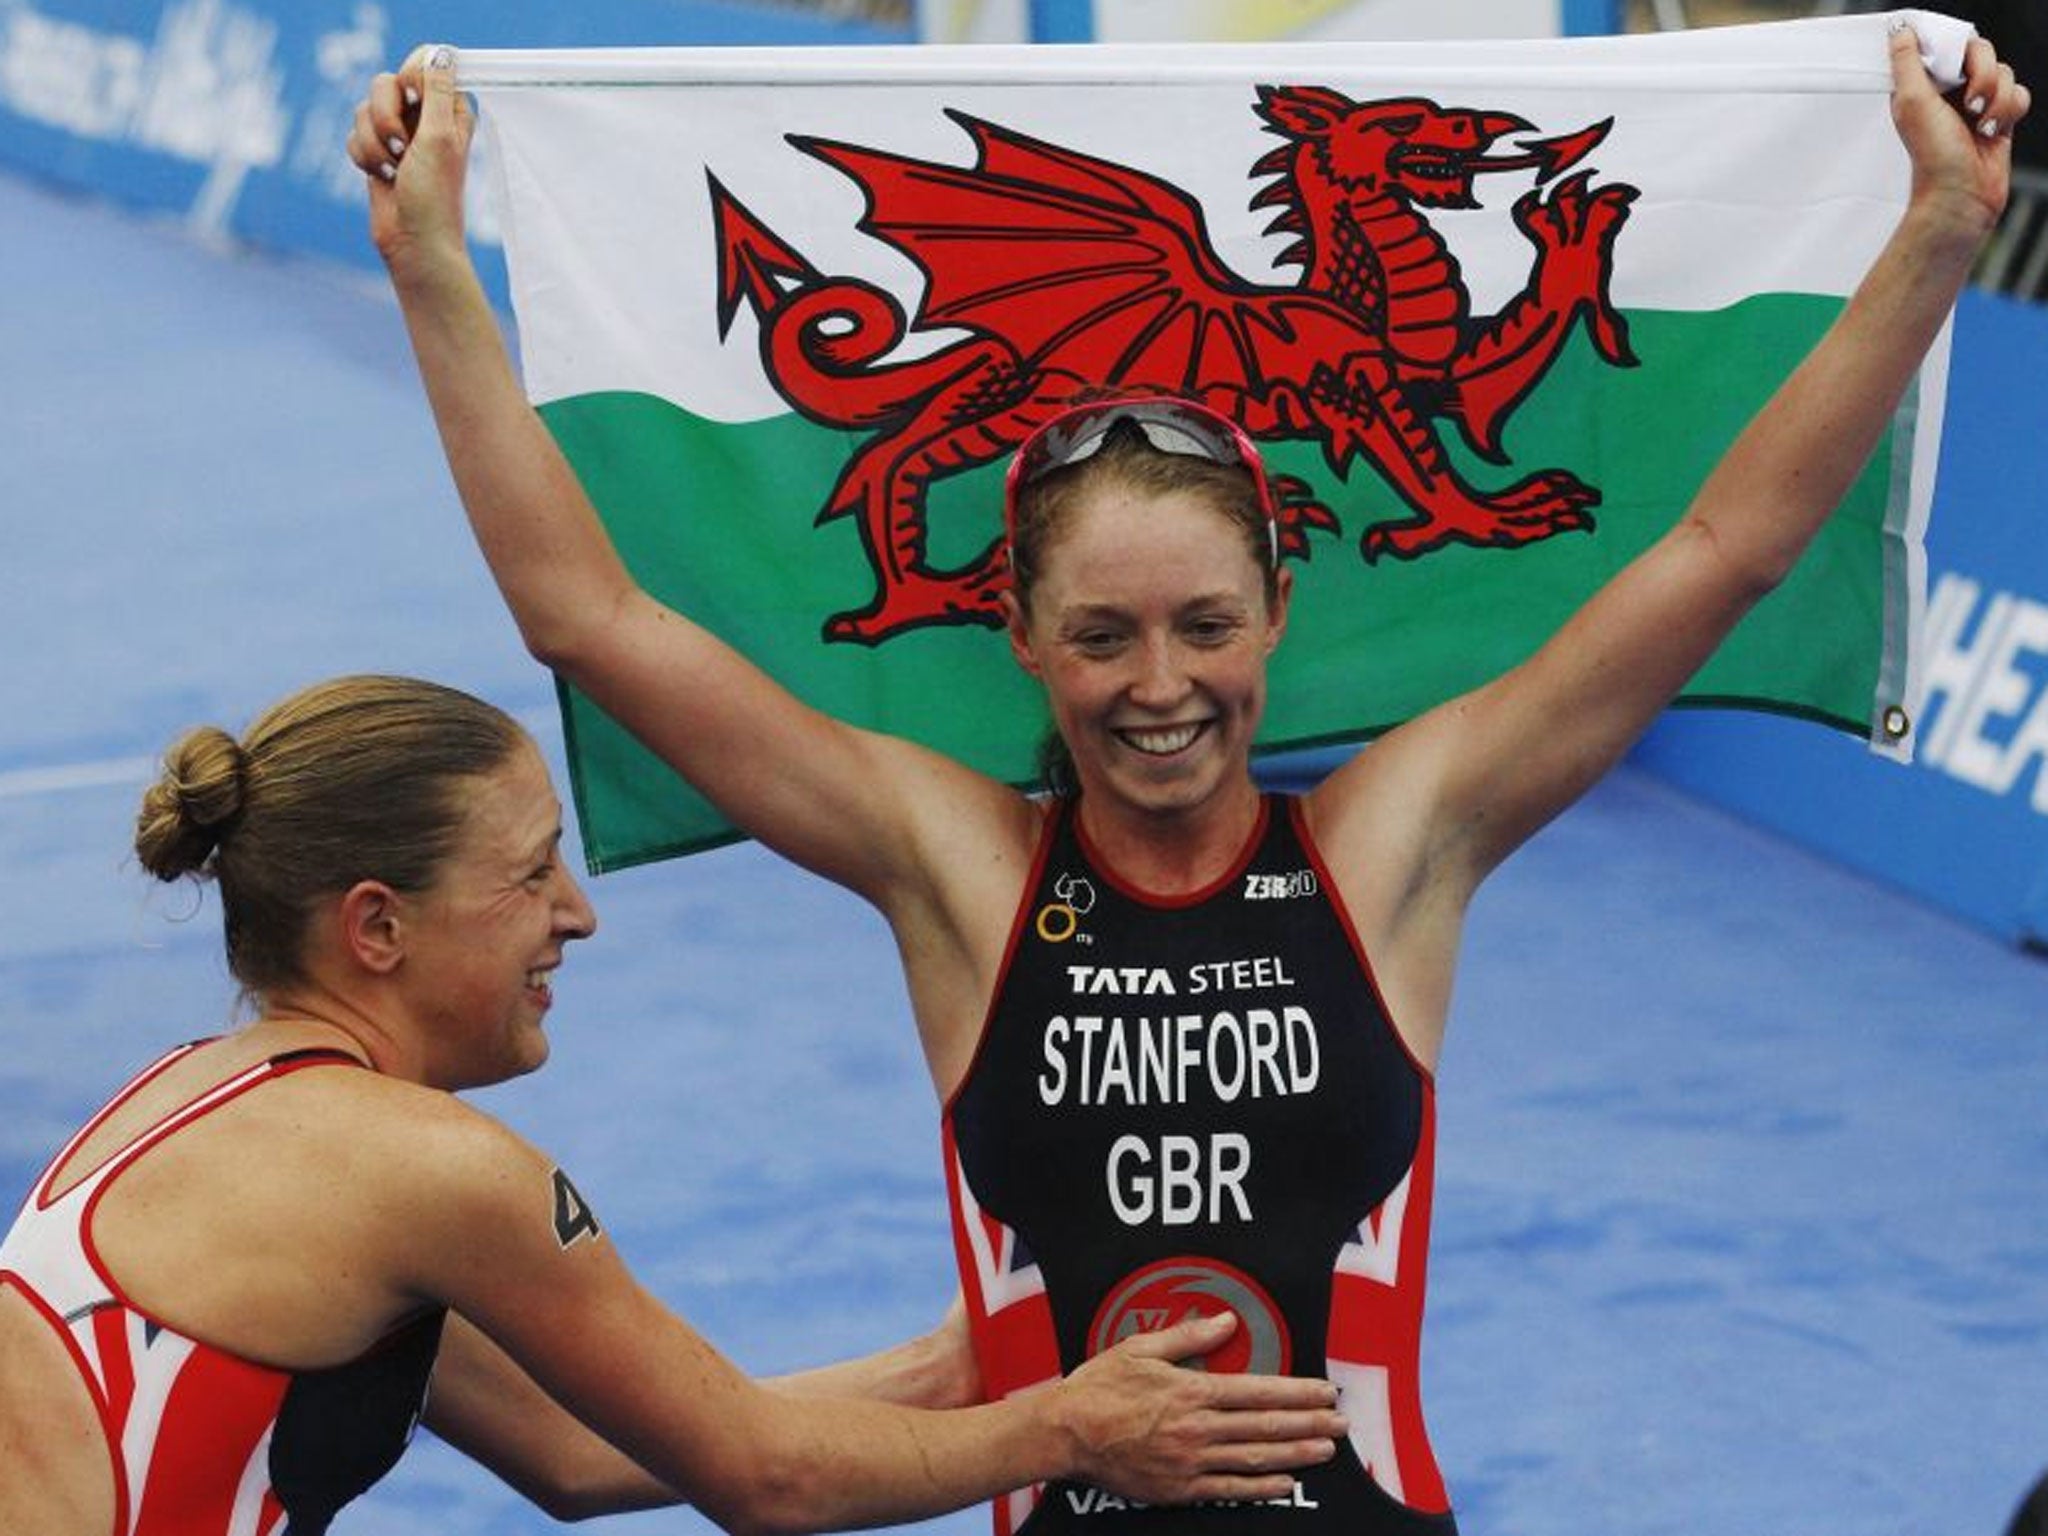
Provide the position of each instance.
(755, 1458)
(1480, 775)
(852, 805)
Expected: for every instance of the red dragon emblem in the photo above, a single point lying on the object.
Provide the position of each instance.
(1066, 271)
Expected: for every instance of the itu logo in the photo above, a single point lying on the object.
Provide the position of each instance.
(1175, 1290)
(1060, 920)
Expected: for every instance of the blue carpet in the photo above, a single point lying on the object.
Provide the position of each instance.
(1743, 1161)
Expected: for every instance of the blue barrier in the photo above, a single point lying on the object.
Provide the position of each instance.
(1966, 826)
(231, 114)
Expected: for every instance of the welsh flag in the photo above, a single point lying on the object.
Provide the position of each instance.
(1493, 310)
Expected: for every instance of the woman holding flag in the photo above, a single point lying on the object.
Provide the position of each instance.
(1184, 1031)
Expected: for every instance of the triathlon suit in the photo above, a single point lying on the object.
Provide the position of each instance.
(203, 1442)
(1186, 1104)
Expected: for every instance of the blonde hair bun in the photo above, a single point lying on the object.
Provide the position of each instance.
(190, 807)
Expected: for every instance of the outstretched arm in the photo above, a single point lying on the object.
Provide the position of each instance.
(757, 1458)
(852, 805)
(489, 1409)
(1490, 768)
(1440, 802)
(1542, 735)
(933, 1370)
(485, 1406)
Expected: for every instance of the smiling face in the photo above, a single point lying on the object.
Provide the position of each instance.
(486, 937)
(1149, 624)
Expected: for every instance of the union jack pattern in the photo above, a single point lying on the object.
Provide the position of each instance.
(1374, 1347)
(189, 1427)
(1007, 1311)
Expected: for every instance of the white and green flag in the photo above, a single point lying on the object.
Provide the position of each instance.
(1493, 310)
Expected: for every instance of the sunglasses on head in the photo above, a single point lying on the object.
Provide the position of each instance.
(1170, 425)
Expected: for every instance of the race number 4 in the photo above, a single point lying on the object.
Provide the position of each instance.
(574, 1218)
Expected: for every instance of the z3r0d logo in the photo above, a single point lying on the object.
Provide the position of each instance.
(1299, 882)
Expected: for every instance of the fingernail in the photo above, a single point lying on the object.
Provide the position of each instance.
(441, 58)
(388, 171)
(412, 97)
(1976, 105)
(1989, 127)
(396, 145)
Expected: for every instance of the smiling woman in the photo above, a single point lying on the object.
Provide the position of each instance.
(225, 1296)
(1144, 593)
(1163, 459)
(492, 933)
